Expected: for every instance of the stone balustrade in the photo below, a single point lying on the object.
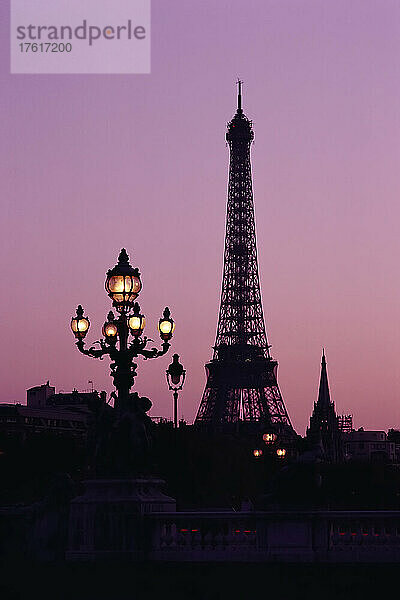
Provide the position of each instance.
(293, 536)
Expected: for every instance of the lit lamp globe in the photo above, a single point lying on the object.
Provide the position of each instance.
(166, 325)
(110, 329)
(281, 452)
(123, 283)
(80, 324)
(136, 323)
(269, 438)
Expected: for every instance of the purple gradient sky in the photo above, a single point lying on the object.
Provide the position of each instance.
(93, 163)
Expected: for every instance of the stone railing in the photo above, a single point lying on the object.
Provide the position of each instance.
(303, 536)
(194, 535)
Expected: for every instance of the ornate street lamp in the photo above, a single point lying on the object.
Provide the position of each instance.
(166, 325)
(123, 285)
(137, 321)
(110, 329)
(175, 373)
(80, 324)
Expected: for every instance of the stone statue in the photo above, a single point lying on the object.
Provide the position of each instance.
(124, 441)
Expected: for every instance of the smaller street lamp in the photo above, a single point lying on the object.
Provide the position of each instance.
(137, 321)
(175, 373)
(166, 327)
(80, 324)
(110, 329)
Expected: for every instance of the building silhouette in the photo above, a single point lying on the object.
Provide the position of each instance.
(70, 415)
(38, 396)
(370, 446)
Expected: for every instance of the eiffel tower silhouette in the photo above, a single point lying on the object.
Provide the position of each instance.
(242, 382)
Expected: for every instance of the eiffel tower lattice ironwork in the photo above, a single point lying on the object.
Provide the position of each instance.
(241, 377)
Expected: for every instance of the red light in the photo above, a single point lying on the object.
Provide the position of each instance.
(194, 530)
(184, 530)
(237, 530)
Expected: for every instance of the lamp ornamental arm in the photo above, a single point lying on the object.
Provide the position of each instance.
(92, 352)
(137, 348)
(154, 352)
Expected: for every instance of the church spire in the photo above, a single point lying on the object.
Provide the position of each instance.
(324, 428)
(324, 399)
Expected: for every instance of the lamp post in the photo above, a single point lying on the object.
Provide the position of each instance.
(123, 285)
(175, 379)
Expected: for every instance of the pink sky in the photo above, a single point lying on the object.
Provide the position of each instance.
(90, 164)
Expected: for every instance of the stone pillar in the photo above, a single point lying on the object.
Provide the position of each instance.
(107, 521)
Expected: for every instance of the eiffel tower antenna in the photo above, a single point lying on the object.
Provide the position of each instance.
(239, 84)
(242, 376)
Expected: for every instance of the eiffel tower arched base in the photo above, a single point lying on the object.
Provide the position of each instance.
(242, 392)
